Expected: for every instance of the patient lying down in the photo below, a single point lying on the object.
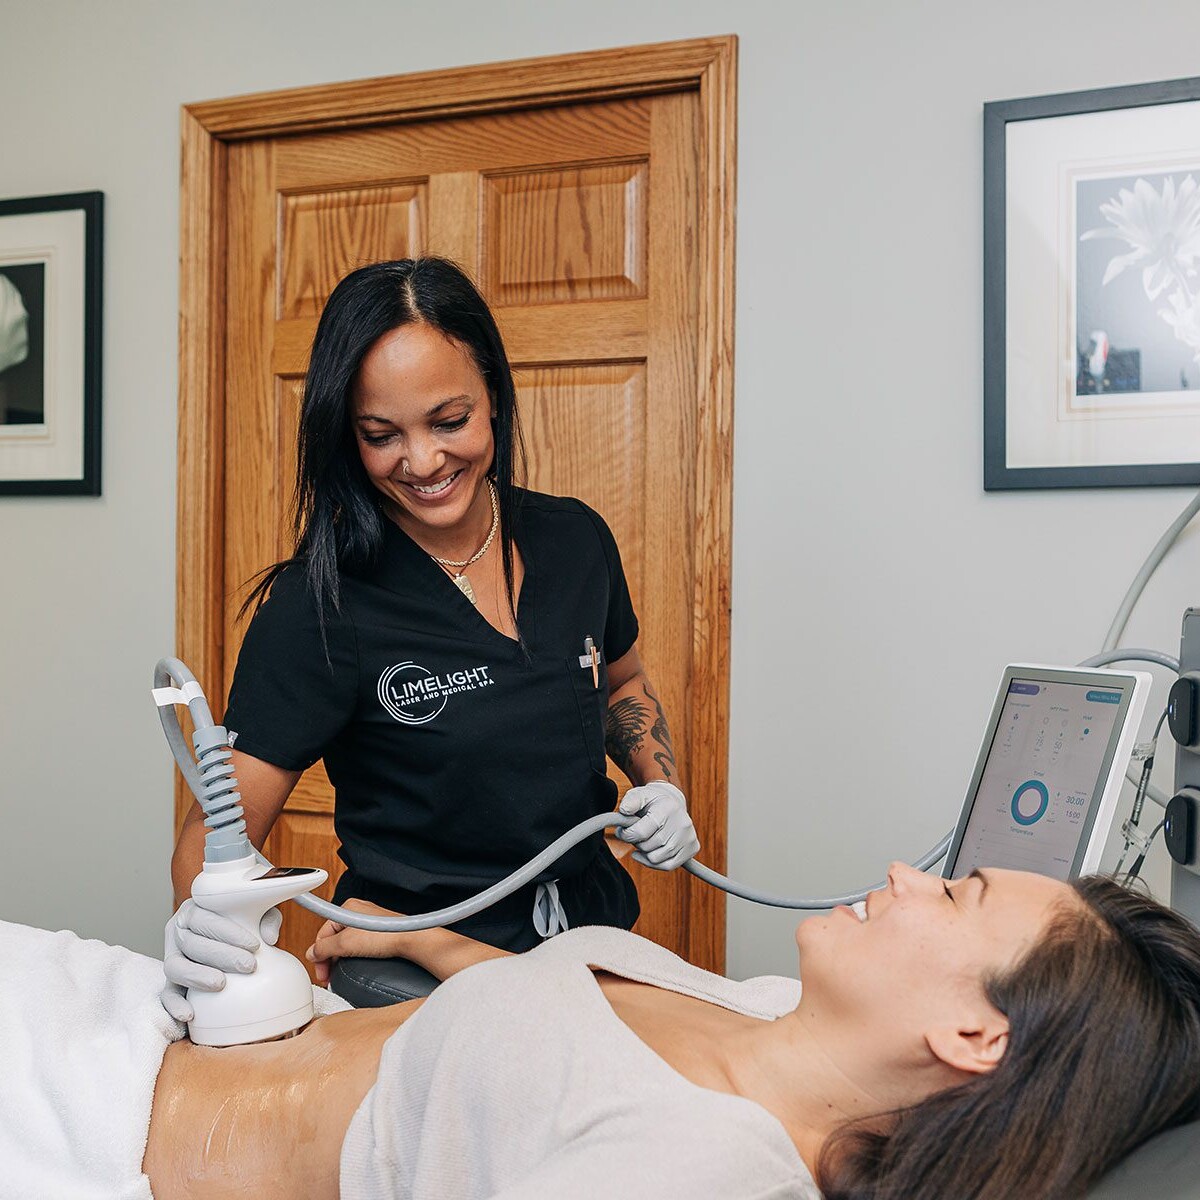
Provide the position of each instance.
(965, 1014)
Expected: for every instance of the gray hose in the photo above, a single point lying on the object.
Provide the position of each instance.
(1132, 654)
(466, 908)
(171, 671)
(523, 875)
(215, 787)
(923, 863)
(1148, 568)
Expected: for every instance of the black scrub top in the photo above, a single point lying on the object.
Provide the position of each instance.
(456, 755)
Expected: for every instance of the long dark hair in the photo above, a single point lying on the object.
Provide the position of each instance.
(1103, 1052)
(337, 517)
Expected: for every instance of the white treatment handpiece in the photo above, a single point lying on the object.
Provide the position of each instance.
(276, 997)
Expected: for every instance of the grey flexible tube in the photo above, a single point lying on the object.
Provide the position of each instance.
(166, 672)
(585, 829)
(171, 670)
(523, 875)
(707, 874)
(1132, 654)
(1148, 568)
(466, 908)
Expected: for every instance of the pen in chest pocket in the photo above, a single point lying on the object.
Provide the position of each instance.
(591, 657)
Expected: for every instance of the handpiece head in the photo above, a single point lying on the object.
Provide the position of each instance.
(276, 997)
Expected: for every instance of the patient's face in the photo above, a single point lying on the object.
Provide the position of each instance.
(926, 942)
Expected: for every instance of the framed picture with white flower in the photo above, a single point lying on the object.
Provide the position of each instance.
(51, 259)
(1091, 363)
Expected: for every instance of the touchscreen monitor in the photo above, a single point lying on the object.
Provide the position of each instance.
(1046, 782)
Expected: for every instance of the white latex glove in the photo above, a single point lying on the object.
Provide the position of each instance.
(200, 946)
(665, 836)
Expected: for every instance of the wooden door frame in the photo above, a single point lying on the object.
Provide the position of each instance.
(707, 66)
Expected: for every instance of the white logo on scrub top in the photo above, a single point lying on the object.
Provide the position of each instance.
(414, 695)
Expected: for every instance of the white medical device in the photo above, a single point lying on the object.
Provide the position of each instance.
(1046, 781)
(276, 997)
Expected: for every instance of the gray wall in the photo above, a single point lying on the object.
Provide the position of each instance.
(877, 589)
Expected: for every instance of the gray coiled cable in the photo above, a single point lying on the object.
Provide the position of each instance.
(210, 775)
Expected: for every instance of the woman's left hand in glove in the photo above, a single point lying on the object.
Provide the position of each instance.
(664, 837)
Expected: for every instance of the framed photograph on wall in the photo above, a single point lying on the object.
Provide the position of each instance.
(1091, 363)
(51, 263)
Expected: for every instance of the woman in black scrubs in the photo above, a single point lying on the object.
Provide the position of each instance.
(459, 651)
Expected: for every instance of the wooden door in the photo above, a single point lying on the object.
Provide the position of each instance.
(582, 223)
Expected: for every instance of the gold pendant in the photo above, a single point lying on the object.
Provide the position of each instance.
(464, 585)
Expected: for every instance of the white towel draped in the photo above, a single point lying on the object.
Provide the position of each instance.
(82, 1036)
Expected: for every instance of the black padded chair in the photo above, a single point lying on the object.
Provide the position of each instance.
(377, 982)
(1167, 1167)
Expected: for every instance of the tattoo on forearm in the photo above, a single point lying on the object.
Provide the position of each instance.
(662, 735)
(625, 731)
(629, 721)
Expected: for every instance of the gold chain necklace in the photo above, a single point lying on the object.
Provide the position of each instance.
(448, 564)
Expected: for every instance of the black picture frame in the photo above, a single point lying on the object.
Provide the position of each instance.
(999, 406)
(80, 476)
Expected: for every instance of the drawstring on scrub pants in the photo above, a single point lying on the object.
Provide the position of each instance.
(549, 917)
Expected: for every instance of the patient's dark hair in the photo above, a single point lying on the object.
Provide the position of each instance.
(1103, 1053)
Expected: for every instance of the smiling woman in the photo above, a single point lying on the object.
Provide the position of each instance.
(424, 422)
(459, 651)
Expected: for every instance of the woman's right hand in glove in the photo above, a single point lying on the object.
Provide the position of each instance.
(201, 946)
